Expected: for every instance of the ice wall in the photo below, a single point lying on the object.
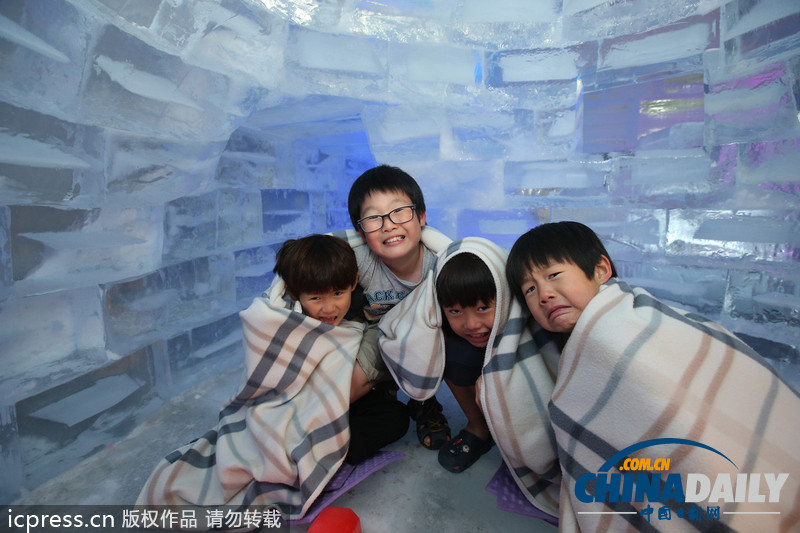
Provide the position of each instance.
(154, 153)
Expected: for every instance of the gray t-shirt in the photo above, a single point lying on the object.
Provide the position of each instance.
(382, 289)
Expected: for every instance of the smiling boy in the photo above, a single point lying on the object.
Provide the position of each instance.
(387, 208)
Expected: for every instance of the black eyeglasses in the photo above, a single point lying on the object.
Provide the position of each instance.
(401, 215)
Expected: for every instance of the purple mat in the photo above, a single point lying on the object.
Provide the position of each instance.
(510, 497)
(347, 477)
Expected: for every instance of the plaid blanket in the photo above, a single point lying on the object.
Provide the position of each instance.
(514, 402)
(635, 369)
(285, 433)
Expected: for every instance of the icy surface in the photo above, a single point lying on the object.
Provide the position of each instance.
(154, 155)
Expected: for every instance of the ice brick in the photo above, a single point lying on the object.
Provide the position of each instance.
(756, 107)
(666, 178)
(239, 218)
(435, 74)
(340, 65)
(190, 226)
(200, 287)
(399, 134)
(285, 214)
(44, 159)
(153, 93)
(253, 272)
(699, 290)
(586, 20)
(620, 118)
(134, 310)
(195, 355)
(480, 134)
(331, 162)
(759, 30)
(145, 170)
(543, 78)
(501, 227)
(554, 180)
(179, 296)
(772, 236)
(631, 234)
(62, 249)
(765, 303)
(37, 352)
(39, 44)
(481, 185)
(669, 50)
(100, 407)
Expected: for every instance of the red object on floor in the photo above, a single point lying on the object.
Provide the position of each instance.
(336, 520)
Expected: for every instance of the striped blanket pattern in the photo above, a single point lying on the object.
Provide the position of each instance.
(285, 433)
(635, 369)
(412, 344)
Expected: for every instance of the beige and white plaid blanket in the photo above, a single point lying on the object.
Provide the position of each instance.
(634, 370)
(285, 433)
(412, 344)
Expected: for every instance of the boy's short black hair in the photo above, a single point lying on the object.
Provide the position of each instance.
(465, 280)
(383, 178)
(567, 242)
(316, 263)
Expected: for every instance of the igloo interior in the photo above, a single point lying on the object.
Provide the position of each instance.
(156, 153)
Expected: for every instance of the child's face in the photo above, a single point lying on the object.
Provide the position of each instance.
(472, 323)
(558, 293)
(392, 241)
(329, 307)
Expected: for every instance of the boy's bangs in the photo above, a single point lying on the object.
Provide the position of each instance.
(326, 278)
(466, 281)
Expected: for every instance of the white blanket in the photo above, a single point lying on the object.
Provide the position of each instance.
(412, 343)
(634, 370)
(283, 436)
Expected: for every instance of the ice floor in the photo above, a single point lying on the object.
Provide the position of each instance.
(409, 495)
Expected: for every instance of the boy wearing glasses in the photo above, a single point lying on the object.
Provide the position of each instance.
(387, 210)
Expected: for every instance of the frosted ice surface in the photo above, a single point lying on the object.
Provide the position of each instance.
(548, 175)
(756, 15)
(750, 229)
(481, 11)
(103, 394)
(657, 48)
(436, 64)
(548, 65)
(326, 51)
(144, 83)
(659, 167)
(770, 162)
(16, 34)
(49, 345)
(19, 150)
(395, 125)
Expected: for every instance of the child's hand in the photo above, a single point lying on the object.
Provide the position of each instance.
(478, 392)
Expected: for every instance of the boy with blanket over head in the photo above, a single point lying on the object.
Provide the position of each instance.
(413, 340)
(286, 432)
(395, 250)
(635, 373)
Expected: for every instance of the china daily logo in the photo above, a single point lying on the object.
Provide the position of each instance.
(646, 479)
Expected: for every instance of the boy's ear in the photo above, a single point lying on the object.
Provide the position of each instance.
(602, 270)
(422, 219)
(355, 283)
